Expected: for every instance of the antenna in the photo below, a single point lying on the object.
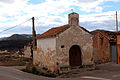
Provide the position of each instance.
(72, 10)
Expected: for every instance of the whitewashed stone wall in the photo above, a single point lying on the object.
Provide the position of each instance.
(46, 53)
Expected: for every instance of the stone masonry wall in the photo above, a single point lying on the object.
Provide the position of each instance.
(46, 53)
(27, 51)
(74, 36)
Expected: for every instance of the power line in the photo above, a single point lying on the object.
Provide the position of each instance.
(15, 26)
(38, 18)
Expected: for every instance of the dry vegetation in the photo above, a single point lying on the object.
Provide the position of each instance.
(12, 59)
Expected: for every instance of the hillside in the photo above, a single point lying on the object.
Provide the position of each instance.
(19, 37)
(15, 42)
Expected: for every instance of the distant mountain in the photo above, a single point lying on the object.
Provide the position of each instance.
(19, 37)
(15, 42)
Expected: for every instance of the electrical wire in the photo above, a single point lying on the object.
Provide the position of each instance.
(38, 18)
(15, 26)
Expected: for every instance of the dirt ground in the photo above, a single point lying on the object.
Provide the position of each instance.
(9, 59)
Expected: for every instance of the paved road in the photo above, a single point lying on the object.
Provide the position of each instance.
(7, 73)
(104, 72)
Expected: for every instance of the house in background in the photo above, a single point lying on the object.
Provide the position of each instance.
(104, 46)
(65, 46)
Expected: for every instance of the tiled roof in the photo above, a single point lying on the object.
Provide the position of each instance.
(110, 35)
(56, 30)
(53, 31)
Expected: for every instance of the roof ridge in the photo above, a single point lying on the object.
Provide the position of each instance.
(61, 26)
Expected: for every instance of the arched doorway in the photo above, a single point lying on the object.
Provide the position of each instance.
(75, 56)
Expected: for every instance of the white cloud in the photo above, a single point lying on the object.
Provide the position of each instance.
(48, 12)
(101, 17)
(21, 11)
(91, 5)
(7, 1)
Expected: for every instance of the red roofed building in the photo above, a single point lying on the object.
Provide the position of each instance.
(65, 46)
(105, 46)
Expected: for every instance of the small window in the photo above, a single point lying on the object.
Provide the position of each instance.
(62, 46)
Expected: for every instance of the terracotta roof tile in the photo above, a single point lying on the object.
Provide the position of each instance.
(53, 31)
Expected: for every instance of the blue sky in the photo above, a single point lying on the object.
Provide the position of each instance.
(93, 14)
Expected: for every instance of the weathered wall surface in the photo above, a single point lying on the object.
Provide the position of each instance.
(27, 51)
(118, 48)
(46, 53)
(74, 36)
(35, 55)
(101, 47)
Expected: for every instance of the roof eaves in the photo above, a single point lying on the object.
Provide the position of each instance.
(85, 29)
(46, 37)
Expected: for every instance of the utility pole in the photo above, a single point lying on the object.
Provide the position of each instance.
(34, 43)
(116, 22)
(34, 33)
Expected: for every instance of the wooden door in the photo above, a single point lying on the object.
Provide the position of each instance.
(75, 56)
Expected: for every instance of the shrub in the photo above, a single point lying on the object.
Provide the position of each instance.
(34, 71)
